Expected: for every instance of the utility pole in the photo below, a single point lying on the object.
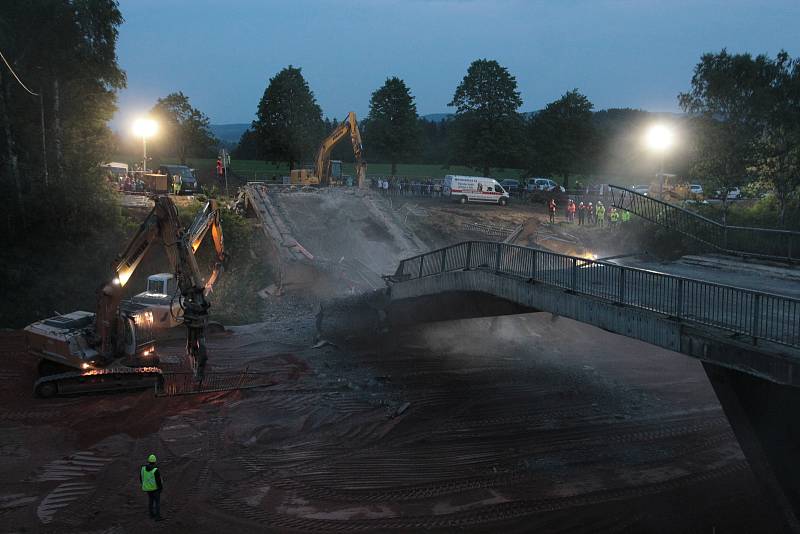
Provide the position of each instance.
(226, 160)
(144, 160)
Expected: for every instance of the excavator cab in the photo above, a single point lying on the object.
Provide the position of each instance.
(335, 171)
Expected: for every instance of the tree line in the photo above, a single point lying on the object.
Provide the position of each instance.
(741, 123)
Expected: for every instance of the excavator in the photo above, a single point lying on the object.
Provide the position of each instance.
(321, 173)
(113, 349)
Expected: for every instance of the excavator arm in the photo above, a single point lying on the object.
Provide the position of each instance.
(162, 226)
(208, 219)
(194, 289)
(322, 162)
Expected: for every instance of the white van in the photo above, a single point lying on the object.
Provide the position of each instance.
(474, 189)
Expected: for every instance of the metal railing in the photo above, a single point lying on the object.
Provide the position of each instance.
(739, 240)
(746, 312)
(184, 382)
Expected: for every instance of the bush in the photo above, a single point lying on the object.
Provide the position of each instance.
(763, 213)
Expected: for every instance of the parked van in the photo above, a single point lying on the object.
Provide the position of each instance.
(474, 189)
(182, 175)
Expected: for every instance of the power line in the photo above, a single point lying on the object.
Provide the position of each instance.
(15, 74)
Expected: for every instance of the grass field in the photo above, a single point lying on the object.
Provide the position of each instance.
(260, 170)
(256, 169)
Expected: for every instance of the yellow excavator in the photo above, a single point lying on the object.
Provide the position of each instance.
(325, 171)
(114, 348)
(670, 188)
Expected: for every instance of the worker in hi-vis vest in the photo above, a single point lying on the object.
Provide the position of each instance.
(150, 477)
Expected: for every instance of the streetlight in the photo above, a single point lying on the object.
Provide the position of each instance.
(660, 139)
(144, 128)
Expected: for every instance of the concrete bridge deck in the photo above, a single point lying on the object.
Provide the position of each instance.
(749, 341)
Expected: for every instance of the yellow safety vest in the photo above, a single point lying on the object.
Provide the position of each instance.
(149, 479)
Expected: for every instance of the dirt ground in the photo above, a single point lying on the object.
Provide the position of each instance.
(524, 423)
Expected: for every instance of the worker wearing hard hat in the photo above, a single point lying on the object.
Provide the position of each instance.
(614, 218)
(601, 214)
(150, 477)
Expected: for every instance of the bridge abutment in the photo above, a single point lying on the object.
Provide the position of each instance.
(764, 417)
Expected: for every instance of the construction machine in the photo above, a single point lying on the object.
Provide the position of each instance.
(325, 171)
(670, 188)
(114, 349)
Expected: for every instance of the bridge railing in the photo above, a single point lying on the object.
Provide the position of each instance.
(757, 242)
(746, 312)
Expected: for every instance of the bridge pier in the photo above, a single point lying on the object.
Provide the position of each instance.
(764, 417)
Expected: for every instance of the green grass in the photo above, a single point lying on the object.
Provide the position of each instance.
(260, 170)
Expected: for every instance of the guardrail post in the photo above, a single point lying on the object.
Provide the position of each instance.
(756, 321)
(574, 272)
(621, 289)
(725, 238)
(421, 262)
(534, 253)
(444, 259)
(469, 254)
(497, 258)
(679, 303)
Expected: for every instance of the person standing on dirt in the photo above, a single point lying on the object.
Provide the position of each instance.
(150, 477)
(600, 214)
(551, 206)
(614, 218)
(571, 211)
(581, 214)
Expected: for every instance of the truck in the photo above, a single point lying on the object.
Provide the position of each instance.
(464, 189)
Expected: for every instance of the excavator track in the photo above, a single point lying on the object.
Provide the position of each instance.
(112, 379)
(164, 384)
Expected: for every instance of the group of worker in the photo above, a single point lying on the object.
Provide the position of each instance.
(406, 187)
(590, 213)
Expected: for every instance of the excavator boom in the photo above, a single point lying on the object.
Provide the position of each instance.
(322, 162)
(88, 341)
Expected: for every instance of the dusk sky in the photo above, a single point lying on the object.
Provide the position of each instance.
(619, 53)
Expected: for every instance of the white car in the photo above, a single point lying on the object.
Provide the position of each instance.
(474, 189)
(543, 184)
(696, 189)
(733, 194)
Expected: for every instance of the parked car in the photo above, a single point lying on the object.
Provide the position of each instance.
(696, 189)
(512, 186)
(543, 184)
(733, 194)
(641, 189)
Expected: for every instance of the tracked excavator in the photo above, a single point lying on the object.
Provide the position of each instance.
(324, 171)
(113, 349)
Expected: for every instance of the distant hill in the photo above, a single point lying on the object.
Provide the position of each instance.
(230, 133)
